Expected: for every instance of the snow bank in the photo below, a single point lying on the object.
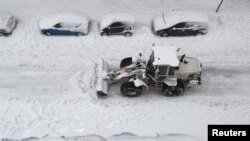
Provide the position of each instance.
(173, 17)
(124, 17)
(69, 17)
(166, 55)
(119, 137)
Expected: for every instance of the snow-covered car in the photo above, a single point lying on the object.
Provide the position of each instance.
(181, 23)
(117, 23)
(65, 23)
(7, 23)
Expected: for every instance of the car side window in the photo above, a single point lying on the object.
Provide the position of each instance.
(180, 25)
(117, 24)
(58, 25)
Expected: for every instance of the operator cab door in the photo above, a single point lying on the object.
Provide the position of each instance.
(150, 67)
(178, 29)
(116, 28)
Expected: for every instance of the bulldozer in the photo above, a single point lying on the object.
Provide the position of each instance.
(165, 69)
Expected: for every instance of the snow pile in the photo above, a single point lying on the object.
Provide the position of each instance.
(118, 137)
(124, 17)
(68, 17)
(4, 17)
(171, 18)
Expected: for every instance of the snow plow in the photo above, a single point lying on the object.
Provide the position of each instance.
(164, 70)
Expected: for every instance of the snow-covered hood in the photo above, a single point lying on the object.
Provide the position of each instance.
(193, 66)
(171, 18)
(124, 17)
(70, 17)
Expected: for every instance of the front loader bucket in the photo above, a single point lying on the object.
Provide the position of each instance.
(101, 84)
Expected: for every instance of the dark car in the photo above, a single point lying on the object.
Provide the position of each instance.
(181, 23)
(119, 23)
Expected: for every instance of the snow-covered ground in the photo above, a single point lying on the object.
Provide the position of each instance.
(40, 76)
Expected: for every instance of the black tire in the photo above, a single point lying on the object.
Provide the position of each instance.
(171, 91)
(128, 34)
(128, 89)
(80, 34)
(125, 62)
(48, 33)
(104, 34)
(164, 35)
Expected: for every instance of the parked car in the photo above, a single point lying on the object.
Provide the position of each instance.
(65, 23)
(181, 23)
(7, 23)
(117, 23)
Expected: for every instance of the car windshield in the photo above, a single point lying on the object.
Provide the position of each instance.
(117, 24)
(180, 25)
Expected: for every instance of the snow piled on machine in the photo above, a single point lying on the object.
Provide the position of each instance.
(49, 21)
(166, 55)
(124, 17)
(171, 18)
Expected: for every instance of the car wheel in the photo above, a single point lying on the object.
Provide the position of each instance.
(80, 34)
(171, 91)
(128, 89)
(128, 34)
(48, 33)
(104, 34)
(164, 35)
(125, 62)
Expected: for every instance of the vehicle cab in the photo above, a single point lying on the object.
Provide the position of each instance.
(165, 65)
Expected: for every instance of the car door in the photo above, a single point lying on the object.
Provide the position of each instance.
(116, 28)
(178, 29)
(191, 29)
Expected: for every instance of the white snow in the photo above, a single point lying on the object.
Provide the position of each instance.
(165, 55)
(171, 18)
(50, 20)
(112, 17)
(4, 18)
(37, 72)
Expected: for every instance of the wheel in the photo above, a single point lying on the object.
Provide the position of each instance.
(171, 91)
(125, 62)
(128, 89)
(80, 34)
(48, 33)
(128, 34)
(104, 34)
(164, 35)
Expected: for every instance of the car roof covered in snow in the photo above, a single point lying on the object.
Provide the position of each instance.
(171, 18)
(4, 16)
(165, 55)
(124, 17)
(71, 17)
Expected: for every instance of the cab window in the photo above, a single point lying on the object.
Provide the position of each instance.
(162, 70)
